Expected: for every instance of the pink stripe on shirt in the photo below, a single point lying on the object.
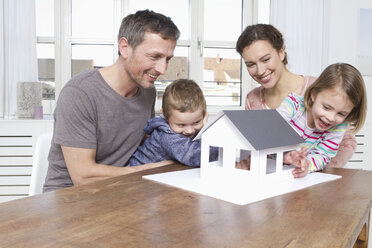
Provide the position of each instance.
(334, 149)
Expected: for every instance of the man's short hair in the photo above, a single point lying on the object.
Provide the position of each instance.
(134, 26)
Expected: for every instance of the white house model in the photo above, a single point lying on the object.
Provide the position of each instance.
(262, 134)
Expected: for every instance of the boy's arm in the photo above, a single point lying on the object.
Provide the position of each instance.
(184, 149)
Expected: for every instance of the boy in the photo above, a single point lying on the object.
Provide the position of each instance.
(184, 114)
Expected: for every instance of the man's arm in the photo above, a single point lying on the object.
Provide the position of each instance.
(83, 168)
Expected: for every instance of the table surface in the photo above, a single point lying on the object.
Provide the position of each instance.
(128, 211)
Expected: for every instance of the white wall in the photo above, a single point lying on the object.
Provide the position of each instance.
(341, 27)
(340, 37)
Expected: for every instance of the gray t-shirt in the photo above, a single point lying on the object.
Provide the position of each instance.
(90, 114)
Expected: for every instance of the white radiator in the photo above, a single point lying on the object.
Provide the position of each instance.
(362, 156)
(17, 141)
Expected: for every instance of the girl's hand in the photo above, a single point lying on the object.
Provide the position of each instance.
(302, 168)
(298, 159)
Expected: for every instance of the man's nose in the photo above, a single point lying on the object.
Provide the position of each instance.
(161, 66)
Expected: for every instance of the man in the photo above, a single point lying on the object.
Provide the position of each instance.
(100, 114)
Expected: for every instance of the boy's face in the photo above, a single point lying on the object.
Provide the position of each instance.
(188, 123)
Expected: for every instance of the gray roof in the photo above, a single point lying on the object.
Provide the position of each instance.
(264, 128)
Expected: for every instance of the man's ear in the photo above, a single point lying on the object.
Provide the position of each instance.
(124, 47)
(161, 110)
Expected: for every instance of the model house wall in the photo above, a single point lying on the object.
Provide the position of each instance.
(261, 134)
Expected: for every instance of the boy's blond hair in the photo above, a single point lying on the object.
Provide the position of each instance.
(183, 95)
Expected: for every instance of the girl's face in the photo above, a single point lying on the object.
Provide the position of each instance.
(186, 123)
(330, 108)
(264, 63)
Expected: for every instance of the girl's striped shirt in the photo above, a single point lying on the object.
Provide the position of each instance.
(321, 145)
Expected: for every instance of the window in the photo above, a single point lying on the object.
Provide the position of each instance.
(72, 39)
(222, 68)
(93, 40)
(45, 50)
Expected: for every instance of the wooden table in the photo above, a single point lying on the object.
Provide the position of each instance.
(129, 211)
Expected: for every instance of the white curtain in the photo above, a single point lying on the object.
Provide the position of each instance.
(2, 76)
(301, 23)
(18, 60)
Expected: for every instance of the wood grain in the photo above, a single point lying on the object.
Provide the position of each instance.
(129, 211)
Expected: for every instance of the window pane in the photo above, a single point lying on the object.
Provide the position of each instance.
(223, 20)
(178, 67)
(93, 18)
(44, 17)
(222, 84)
(45, 55)
(85, 57)
(177, 10)
(45, 50)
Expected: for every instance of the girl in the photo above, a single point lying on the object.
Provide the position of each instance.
(337, 98)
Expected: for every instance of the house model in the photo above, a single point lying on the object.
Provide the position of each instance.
(261, 134)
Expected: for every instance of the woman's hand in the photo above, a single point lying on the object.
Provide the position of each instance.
(244, 164)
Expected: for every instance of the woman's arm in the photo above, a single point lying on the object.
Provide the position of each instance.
(346, 150)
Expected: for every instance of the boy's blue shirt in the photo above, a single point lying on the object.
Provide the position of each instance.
(165, 144)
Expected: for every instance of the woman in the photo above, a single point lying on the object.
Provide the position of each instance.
(263, 51)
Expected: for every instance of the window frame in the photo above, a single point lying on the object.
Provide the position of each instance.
(63, 42)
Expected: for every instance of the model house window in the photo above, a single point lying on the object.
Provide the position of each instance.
(72, 39)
